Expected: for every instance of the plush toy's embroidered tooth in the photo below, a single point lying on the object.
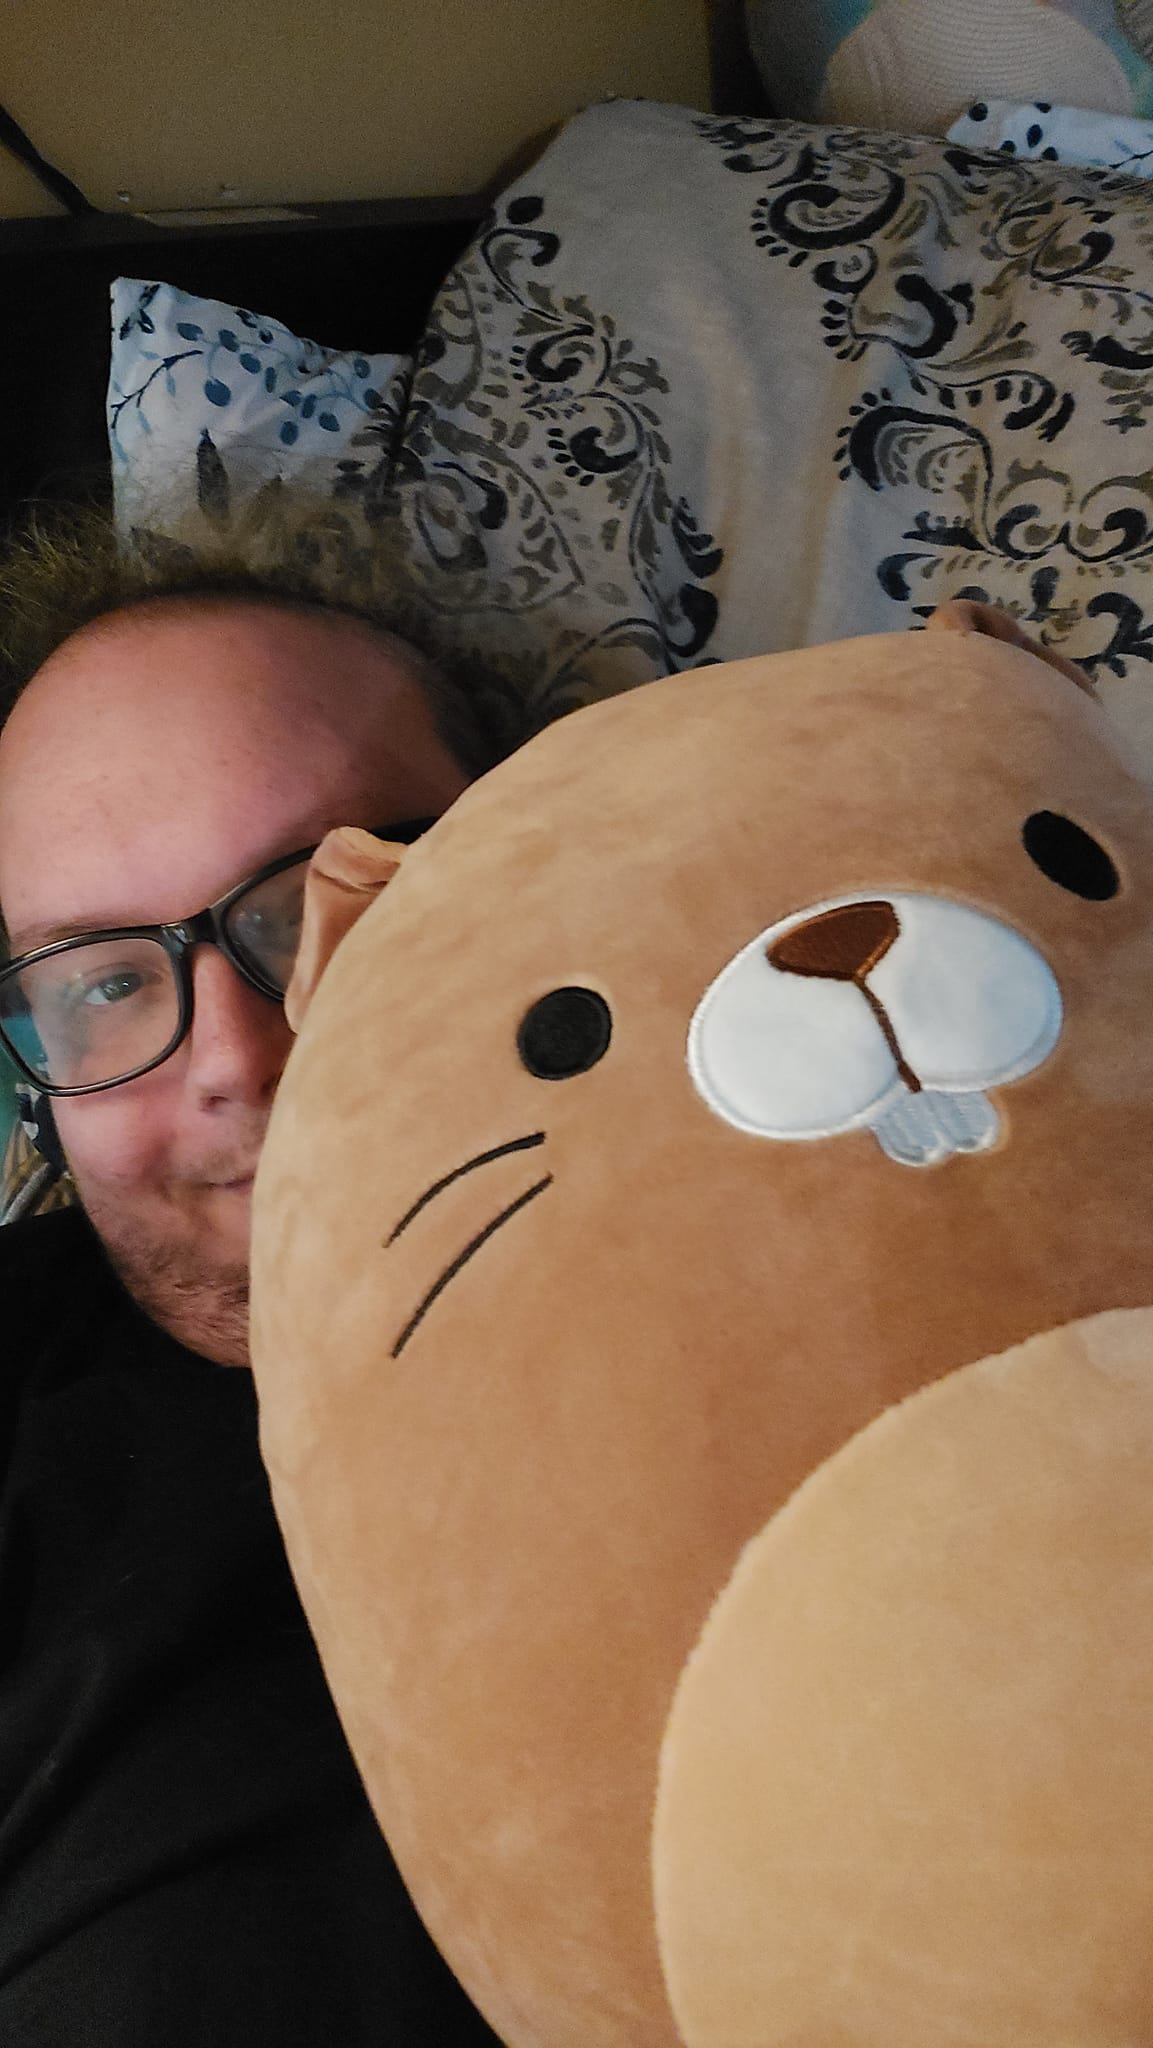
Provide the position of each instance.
(924, 1129)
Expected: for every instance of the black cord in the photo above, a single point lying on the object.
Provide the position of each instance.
(13, 138)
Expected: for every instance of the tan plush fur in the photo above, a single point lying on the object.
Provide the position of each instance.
(906, 1789)
(510, 1535)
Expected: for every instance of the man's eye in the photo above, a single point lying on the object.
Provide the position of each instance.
(116, 987)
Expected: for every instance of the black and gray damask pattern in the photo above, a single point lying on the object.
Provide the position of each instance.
(1004, 318)
(530, 478)
(705, 388)
(513, 502)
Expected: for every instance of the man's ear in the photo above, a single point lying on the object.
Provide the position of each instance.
(963, 615)
(345, 875)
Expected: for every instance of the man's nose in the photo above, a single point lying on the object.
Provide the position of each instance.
(239, 1039)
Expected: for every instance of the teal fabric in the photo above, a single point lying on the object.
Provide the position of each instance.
(915, 64)
(7, 1098)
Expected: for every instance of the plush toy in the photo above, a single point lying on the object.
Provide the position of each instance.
(914, 65)
(700, 1318)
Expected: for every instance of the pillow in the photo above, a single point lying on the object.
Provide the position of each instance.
(519, 502)
(1066, 135)
(191, 370)
(29, 1183)
(916, 64)
(846, 376)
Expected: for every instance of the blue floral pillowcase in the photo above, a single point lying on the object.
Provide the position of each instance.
(253, 401)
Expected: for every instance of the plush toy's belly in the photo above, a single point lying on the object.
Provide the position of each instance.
(906, 1790)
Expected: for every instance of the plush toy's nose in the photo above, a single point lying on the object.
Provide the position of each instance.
(845, 944)
(842, 944)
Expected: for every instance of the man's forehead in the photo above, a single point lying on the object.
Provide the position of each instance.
(165, 753)
(153, 655)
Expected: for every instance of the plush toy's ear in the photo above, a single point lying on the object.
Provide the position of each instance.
(962, 615)
(345, 875)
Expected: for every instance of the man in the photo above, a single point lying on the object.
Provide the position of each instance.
(186, 1855)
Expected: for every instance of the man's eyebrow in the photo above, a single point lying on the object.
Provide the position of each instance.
(47, 935)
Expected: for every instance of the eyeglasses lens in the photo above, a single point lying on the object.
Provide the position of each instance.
(94, 1012)
(263, 926)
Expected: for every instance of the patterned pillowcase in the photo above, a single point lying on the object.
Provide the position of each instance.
(510, 499)
(29, 1183)
(1058, 135)
(189, 372)
(847, 375)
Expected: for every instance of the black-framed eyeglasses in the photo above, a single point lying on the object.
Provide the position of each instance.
(90, 1012)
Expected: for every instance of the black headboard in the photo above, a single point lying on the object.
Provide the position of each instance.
(360, 276)
(736, 86)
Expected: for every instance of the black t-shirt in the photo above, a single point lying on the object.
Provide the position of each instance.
(187, 1858)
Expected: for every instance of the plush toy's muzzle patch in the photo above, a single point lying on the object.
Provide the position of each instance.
(894, 1011)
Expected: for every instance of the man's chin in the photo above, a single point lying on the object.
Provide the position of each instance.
(189, 1274)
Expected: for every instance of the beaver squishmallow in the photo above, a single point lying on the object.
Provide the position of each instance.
(701, 1323)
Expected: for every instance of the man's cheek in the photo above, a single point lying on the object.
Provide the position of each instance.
(110, 1138)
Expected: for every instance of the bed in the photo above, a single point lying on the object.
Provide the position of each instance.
(697, 384)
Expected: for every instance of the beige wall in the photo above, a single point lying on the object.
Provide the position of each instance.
(20, 192)
(292, 99)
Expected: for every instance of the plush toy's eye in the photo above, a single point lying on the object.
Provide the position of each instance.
(566, 1033)
(1069, 856)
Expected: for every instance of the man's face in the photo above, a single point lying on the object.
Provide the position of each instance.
(158, 758)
